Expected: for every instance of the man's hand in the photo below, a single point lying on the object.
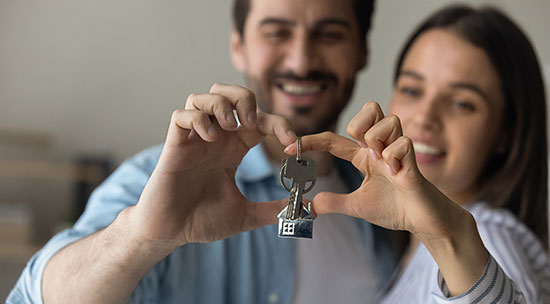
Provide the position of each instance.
(191, 195)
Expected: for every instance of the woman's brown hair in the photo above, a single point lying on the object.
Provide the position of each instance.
(515, 176)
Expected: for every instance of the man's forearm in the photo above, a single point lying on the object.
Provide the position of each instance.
(104, 267)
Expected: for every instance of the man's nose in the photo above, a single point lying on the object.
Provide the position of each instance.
(301, 56)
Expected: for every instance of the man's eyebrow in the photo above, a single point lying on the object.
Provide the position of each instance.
(275, 20)
(332, 21)
(319, 23)
(470, 87)
(410, 73)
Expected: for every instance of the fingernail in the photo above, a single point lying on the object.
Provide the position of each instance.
(212, 132)
(252, 118)
(362, 144)
(230, 117)
(373, 154)
(289, 147)
(291, 134)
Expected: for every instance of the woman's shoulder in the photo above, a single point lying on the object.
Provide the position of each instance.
(501, 225)
(501, 222)
(514, 246)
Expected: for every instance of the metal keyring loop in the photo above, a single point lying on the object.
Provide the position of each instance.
(283, 167)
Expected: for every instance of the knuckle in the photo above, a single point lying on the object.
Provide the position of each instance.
(371, 106)
(175, 114)
(216, 86)
(191, 96)
(387, 153)
(393, 119)
(248, 95)
(351, 129)
(370, 137)
(219, 103)
(190, 100)
(200, 119)
(406, 141)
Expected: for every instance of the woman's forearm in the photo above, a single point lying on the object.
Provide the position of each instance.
(460, 255)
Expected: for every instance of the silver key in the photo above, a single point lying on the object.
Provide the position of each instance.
(296, 220)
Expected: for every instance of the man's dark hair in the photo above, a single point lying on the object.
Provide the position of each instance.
(363, 10)
(515, 178)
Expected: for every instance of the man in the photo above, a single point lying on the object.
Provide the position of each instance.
(150, 232)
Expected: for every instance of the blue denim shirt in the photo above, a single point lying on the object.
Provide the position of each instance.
(252, 267)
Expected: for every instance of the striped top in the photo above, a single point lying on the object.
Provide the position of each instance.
(518, 270)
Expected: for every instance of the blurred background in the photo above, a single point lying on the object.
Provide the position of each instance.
(86, 84)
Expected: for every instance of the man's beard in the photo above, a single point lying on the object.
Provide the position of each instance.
(326, 123)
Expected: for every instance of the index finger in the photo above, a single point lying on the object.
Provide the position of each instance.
(335, 144)
(242, 99)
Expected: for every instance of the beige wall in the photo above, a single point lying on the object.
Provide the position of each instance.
(104, 76)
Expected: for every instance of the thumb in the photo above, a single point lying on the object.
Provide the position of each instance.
(262, 214)
(328, 202)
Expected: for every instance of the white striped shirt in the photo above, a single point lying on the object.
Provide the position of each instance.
(518, 270)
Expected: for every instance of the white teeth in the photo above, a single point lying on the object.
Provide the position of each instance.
(300, 90)
(425, 149)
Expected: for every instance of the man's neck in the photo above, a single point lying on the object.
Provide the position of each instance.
(274, 150)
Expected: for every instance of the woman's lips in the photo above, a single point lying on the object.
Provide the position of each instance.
(426, 153)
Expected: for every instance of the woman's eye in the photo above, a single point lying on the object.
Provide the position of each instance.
(409, 91)
(463, 105)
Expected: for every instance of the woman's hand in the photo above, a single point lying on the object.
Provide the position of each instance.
(395, 195)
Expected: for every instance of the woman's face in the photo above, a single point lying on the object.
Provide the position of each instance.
(450, 103)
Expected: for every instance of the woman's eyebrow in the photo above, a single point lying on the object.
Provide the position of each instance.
(470, 87)
(410, 73)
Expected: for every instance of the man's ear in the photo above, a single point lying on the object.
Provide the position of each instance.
(237, 51)
(363, 56)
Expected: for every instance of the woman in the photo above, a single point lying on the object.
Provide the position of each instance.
(460, 163)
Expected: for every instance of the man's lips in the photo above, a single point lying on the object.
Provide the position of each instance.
(301, 89)
(304, 94)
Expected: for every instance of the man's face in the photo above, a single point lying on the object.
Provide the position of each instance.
(300, 57)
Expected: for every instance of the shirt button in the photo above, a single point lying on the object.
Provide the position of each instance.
(273, 298)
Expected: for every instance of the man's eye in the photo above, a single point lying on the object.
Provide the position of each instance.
(276, 34)
(329, 36)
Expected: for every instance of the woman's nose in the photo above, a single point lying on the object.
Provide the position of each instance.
(428, 114)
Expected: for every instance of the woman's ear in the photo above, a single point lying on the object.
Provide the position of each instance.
(237, 51)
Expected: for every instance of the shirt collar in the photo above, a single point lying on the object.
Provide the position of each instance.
(255, 166)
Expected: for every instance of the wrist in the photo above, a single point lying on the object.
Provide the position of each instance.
(459, 252)
(135, 250)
